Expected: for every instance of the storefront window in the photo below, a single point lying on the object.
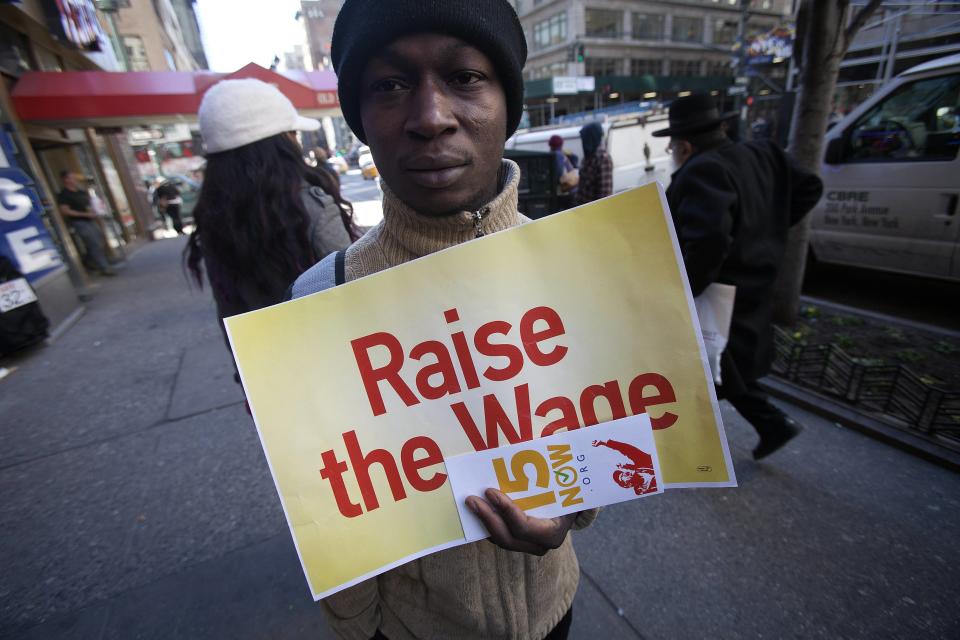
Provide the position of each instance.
(719, 69)
(687, 29)
(603, 23)
(603, 66)
(685, 68)
(551, 31)
(724, 32)
(647, 26)
(14, 52)
(645, 67)
(136, 53)
(100, 203)
(122, 213)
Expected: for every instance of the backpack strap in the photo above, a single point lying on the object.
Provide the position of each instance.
(326, 274)
(339, 267)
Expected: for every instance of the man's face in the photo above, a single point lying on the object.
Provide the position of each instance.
(680, 152)
(70, 181)
(435, 116)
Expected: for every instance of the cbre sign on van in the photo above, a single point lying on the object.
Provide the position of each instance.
(23, 238)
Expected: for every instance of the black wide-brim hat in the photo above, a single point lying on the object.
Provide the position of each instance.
(693, 114)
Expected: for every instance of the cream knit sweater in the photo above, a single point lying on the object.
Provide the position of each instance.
(476, 590)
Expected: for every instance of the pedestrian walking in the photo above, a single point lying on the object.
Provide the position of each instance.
(732, 206)
(435, 89)
(168, 202)
(566, 171)
(75, 206)
(596, 169)
(321, 156)
(263, 215)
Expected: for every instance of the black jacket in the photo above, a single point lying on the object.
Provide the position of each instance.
(732, 207)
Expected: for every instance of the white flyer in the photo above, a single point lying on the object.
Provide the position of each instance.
(715, 312)
(569, 471)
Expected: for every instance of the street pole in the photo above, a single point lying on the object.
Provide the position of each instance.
(742, 66)
(892, 55)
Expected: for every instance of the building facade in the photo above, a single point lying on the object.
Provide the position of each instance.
(161, 35)
(190, 29)
(44, 35)
(900, 35)
(318, 18)
(153, 37)
(635, 49)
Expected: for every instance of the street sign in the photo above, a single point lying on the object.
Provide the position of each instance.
(742, 80)
(23, 236)
(586, 83)
(564, 85)
(571, 85)
(738, 90)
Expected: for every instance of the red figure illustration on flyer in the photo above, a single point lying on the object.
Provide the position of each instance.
(638, 474)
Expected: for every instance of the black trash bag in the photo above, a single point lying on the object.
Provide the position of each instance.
(24, 325)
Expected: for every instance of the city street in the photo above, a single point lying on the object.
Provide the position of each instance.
(364, 196)
(135, 502)
(907, 297)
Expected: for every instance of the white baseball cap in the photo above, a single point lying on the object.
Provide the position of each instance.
(234, 113)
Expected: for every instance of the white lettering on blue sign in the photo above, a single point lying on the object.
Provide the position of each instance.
(15, 205)
(30, 251)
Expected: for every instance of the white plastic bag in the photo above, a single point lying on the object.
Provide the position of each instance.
(715, 309)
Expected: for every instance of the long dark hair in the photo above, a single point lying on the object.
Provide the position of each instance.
(250, 221)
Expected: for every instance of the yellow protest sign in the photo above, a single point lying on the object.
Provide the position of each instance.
(359, 392)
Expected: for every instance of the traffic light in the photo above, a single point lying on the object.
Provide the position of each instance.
(580, 51)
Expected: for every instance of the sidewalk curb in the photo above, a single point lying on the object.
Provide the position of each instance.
(848, 417)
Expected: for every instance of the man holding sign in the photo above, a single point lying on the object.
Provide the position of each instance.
(435, 89)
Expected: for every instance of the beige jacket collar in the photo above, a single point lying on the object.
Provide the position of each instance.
(418, 235)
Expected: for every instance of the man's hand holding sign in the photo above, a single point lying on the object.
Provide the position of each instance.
(513, 529)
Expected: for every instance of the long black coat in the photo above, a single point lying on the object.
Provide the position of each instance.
(732, 207)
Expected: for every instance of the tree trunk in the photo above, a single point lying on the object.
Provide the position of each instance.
(823, 36)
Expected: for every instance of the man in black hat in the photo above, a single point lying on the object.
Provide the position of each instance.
(732, 205)
(435, 88)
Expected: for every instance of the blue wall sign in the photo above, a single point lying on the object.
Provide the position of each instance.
(23, 237)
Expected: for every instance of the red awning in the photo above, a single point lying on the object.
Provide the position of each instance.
(104, 99)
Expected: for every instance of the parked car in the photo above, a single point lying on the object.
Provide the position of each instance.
(339, 164)
(624, 138)
(367, 167)
(891, 177)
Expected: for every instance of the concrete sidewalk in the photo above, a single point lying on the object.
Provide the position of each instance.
(135, 502)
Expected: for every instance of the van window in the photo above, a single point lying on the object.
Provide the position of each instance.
(918, 122)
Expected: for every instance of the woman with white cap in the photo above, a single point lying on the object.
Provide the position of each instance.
(263, 216)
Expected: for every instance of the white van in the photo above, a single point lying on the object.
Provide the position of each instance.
(891, 175)
(624, 139)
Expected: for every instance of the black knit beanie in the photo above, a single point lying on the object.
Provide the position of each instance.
(365, 27)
